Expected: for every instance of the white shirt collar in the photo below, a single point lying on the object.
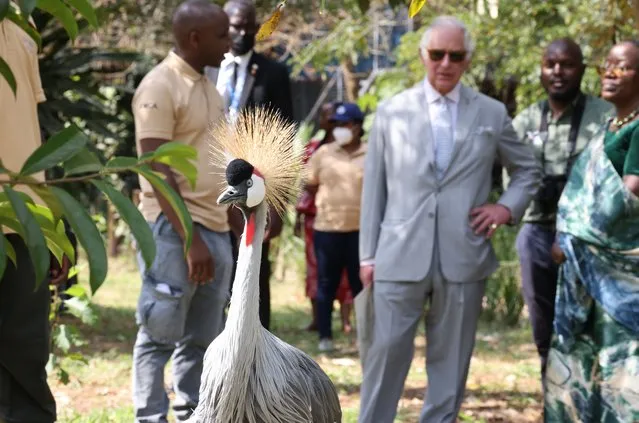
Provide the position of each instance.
(242, 60)
(432, 95)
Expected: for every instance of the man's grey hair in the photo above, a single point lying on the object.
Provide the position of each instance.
(450, 22)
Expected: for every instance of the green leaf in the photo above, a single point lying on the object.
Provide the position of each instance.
(76, 291)
(32, 234)
(121, 162)
(77, 357)
(48, 198)
(63, 376)
(175, 149)
(139, 226)
(25, 197)
(81, 308)
(4, 8)
(60, 11)
(86, 10)
(3, 254)
(174, 200)
(6, 72)
(84, 162)
(62, 338)
(60, 147)
(27, 6)
(11, 252)
(23, 23)
(185, 167)
(88, 236)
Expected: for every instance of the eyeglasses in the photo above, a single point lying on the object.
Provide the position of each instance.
(453, 56)
(617, 71)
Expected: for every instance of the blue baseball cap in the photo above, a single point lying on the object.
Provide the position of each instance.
(347, 112)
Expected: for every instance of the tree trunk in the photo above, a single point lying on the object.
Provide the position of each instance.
(351, 81)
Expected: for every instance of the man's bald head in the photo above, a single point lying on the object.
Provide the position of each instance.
(562, 68)
(201, 31)
(240, 6)
(567, 45)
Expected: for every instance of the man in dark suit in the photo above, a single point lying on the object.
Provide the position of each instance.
(249, 79)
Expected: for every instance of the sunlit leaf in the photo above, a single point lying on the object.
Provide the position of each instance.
(88, 236)
(86, 10)
(270, 25)
(185, 167)
(32, 234)
(3, 254)
(60, 11)
(81, 308)
(60, 147)
(27, 6)
(10, 252)
(84, 161)
(121, 162)
(139, 226)
(415, 7)
(49, 199)
(174, 200)
(7, 74)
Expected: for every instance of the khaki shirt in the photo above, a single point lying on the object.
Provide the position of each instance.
(19, 125)
(339, 175)
(557, 147)
(175, 102)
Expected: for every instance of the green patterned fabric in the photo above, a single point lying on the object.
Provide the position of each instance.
(622, 148)
(593, 366)
(526, 123)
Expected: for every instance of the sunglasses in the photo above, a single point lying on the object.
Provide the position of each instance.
(617, 71)
(453, 56)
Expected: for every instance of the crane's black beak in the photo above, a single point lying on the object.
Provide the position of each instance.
(233, 195)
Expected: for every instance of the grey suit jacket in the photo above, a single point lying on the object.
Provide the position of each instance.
(404, 205)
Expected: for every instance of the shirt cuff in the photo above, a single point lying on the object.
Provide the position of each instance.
(369, 262)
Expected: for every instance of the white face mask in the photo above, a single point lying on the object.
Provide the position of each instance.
(342, 135)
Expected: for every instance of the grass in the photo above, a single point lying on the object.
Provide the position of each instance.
(502, 386)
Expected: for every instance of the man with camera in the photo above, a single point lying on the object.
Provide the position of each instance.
(558, 128)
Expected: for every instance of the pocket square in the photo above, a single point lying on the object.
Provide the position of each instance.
(484, 130)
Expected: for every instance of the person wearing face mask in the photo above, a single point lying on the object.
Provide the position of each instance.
(305, 220)
(248, 79)
(335, 176)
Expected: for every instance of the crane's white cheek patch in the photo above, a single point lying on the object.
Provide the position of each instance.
(255, 194)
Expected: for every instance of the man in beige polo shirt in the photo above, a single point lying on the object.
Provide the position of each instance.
(335, 172)
(181, 305)
(25, 396)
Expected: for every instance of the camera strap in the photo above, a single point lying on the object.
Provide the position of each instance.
(575, 121)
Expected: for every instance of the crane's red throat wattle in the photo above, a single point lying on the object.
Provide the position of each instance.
(250, 229)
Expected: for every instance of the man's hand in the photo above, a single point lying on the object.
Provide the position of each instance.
(367, 275)
(487, 218)
(200, 261)
(58, 273)
(557, 254)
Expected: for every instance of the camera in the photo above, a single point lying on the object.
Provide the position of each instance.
(550, 191)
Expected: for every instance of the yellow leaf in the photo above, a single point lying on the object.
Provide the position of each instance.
(270, 25)
(415, 7)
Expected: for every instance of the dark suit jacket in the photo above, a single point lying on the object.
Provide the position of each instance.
(267, 84)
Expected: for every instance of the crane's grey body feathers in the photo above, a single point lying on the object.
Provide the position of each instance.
(250, 375)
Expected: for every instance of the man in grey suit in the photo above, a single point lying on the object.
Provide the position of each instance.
(425, 224)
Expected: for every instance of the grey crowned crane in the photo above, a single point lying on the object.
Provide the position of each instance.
(250, 375)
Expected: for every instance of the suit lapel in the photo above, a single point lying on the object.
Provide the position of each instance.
(249, 81)
(466, 118)
(423, 129)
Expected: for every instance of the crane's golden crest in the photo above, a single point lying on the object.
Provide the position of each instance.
(264, 139)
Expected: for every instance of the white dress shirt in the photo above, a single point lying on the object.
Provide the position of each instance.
(432, 100)
(225, 76)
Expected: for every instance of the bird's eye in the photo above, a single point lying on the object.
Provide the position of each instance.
(249, 183)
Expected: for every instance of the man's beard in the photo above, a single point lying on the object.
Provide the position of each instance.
(566, 96)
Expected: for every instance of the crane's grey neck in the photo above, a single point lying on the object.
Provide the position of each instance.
(244, 309)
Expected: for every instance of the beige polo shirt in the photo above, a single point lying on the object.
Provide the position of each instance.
(19, 124)
(339, 175)
(175, 102)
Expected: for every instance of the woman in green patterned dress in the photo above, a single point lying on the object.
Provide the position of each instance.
(593, 367)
